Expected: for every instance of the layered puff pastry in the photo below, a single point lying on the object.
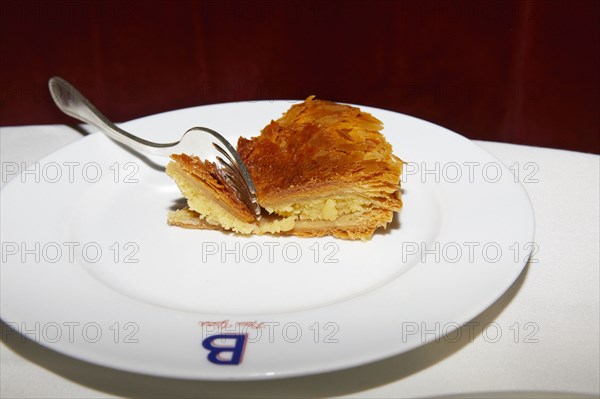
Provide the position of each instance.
(321, 169)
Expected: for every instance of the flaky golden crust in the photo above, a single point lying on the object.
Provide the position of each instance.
(319, 147)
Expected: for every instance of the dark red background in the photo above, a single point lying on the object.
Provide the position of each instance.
(513, 71)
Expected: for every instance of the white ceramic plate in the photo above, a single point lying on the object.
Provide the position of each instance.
(91, 269)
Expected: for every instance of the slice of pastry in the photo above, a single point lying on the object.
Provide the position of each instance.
(321, 169)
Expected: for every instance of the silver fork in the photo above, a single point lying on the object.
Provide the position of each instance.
(197, 140)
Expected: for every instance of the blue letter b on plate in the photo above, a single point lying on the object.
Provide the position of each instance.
(229, 351)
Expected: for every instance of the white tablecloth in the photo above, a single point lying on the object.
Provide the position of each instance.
(554, 305)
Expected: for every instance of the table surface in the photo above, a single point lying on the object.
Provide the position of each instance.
(557, 297)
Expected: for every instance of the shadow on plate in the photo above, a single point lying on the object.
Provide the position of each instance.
(86, 130)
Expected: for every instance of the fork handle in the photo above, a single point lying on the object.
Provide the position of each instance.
(73, 103)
